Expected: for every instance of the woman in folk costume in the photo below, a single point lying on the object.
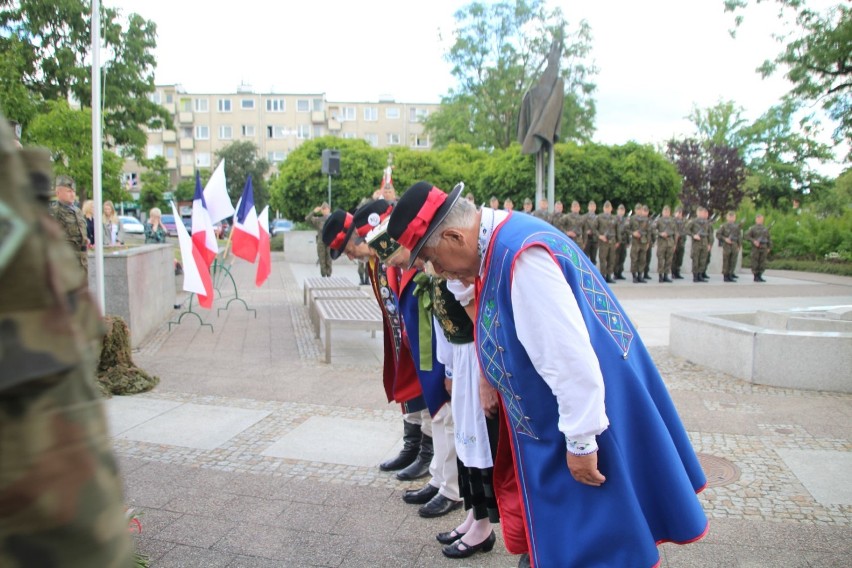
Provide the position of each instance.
(475, 434)
(428, 413)
(602, 463)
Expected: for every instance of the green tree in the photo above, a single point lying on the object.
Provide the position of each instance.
(185, 189)
(50, 47)
(67, 133)
(497, 55)
(721, 124)
(155, 183)
(241, 159)
(17, 102)
(816, 56)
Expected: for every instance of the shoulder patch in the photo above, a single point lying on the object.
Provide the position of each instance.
(12, 233)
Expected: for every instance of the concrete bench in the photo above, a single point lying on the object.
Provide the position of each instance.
(322, 294)
(330, 283)
(350, 313)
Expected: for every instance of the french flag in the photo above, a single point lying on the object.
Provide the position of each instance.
(196, 275)
(246, 234)
(264, 260)
(203, 236)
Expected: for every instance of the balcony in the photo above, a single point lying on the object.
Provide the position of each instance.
(169, 136)
(186, 170)
(185, 117)
(187, 143)
(334, 125)
(318, 116)
(171, 163)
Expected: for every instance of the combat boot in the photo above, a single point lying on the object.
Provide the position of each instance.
(619, 276)
(608, 279)
(734, 276)
(726, 278)
(759, 277)
(676, 275)
(660, 278)
(704, 275)
(667, 279)
(420, 466)
(645, 276)
(410, 448)
(696, 277)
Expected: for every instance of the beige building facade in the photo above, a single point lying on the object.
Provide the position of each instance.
(276, 123)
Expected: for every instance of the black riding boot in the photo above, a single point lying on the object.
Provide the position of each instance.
(410, 448)
(420, 466)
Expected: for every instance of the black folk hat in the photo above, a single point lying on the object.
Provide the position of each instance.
(341, 225)
(418, 213)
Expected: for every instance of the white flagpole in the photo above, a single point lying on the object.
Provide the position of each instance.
(97, 155)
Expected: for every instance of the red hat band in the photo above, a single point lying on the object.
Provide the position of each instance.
(418, 226)
(341, 236)
(367, 227)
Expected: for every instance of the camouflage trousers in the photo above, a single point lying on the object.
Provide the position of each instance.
(61, 499)
(638, 258)
(729, 258)
(324, 257)
(665, 253)
(677, 257)
(700, 257)
(606, 258)
(620, 257)
(758, 260)
(591, 248)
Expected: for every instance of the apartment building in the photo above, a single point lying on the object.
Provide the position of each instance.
(277, 123)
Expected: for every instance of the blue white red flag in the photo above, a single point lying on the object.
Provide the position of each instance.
(264, 254)
(203, 235)
(196, 276)
(246, 234)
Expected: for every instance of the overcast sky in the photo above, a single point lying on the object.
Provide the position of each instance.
(656, 58)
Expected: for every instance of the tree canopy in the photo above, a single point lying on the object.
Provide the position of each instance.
(46, 57)
(241, 159)
(498, 53)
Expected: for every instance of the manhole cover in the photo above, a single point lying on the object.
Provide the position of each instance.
(719, 471)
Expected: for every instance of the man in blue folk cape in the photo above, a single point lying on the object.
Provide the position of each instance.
(603, 466)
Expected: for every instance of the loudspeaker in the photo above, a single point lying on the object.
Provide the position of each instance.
(331, 162)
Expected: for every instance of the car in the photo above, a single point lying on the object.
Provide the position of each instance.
(281, 226)
(169, 223)
(131, 225)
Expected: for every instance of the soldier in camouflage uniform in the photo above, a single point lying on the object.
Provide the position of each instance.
(652, 239)
(556, 217)
(730, 238)
(665, 230)
(317, 219)
(680, 244)
(590, 236)
(622, 242)
(607, 234)
(572, 224)
(60, 494)
(542, 211)
(640, 236)
(71, 219)
(701, 232)
(758, 234)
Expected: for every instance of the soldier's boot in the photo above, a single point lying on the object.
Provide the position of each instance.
(420, 466)
(676, 275)
(696, 277)
(620, 276)
(636, 279)
(759, 277)
(733, 276)
(726, 278)
(410, 448)
(645, 276)
(704, 275)
(608, 279)
(667, 279)
(660, 278)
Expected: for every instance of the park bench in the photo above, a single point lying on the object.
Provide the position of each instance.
(327, 283)
(349, 313)
(322, 294)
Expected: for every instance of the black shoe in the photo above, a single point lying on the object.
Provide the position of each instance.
(455, 551)
(667, 279)
(411, 447)
(524, 561)
(438, 506)
(704, 275)
(759, 278)
(620, 276)
(420, 496)
(449, 537)
(637, 280)
(677, 276)
(734, 275)
(704, 278)
(608, 280)
(696, 277)
(727, 278)
(420, 466)
(660, 278)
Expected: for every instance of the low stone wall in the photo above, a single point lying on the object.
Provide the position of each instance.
(139, 286)
(784, 349)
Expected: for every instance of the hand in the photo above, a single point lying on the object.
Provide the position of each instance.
(488, 397)
(571, 234)
(603, 238)
(448, 384)
(696, 237)
(585, 469)
(664, 234)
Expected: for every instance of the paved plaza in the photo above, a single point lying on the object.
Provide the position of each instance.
(253, 452)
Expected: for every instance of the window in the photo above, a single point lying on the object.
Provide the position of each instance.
(247, 130)
(273, 131)
(317, 105)
(317, 132)
(393, 139)
(303, 105)
(202, 160)
(186, 105)
(372, 139)
(417, 114)
(277, 156)
(371, 113)
(202, 132)
(186, 132)
(170, 98)
(392, 113)
(224, 105)
(225, 132)
(201, 105)
(186, 158)
(154, 150)
(348, 113)
(304, 132)
(155, 97)
(420, 141)
(349, 136)
(247, 104)
(275, 105)
(170, 152)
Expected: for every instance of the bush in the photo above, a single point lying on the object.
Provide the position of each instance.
(277, 242)
(806, 236)
(822, 266)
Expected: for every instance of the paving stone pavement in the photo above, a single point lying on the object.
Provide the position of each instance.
(243, 455)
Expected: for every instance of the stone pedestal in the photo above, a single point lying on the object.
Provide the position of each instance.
(139, 286)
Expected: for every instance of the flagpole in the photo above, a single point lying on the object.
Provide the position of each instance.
(97, 151)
